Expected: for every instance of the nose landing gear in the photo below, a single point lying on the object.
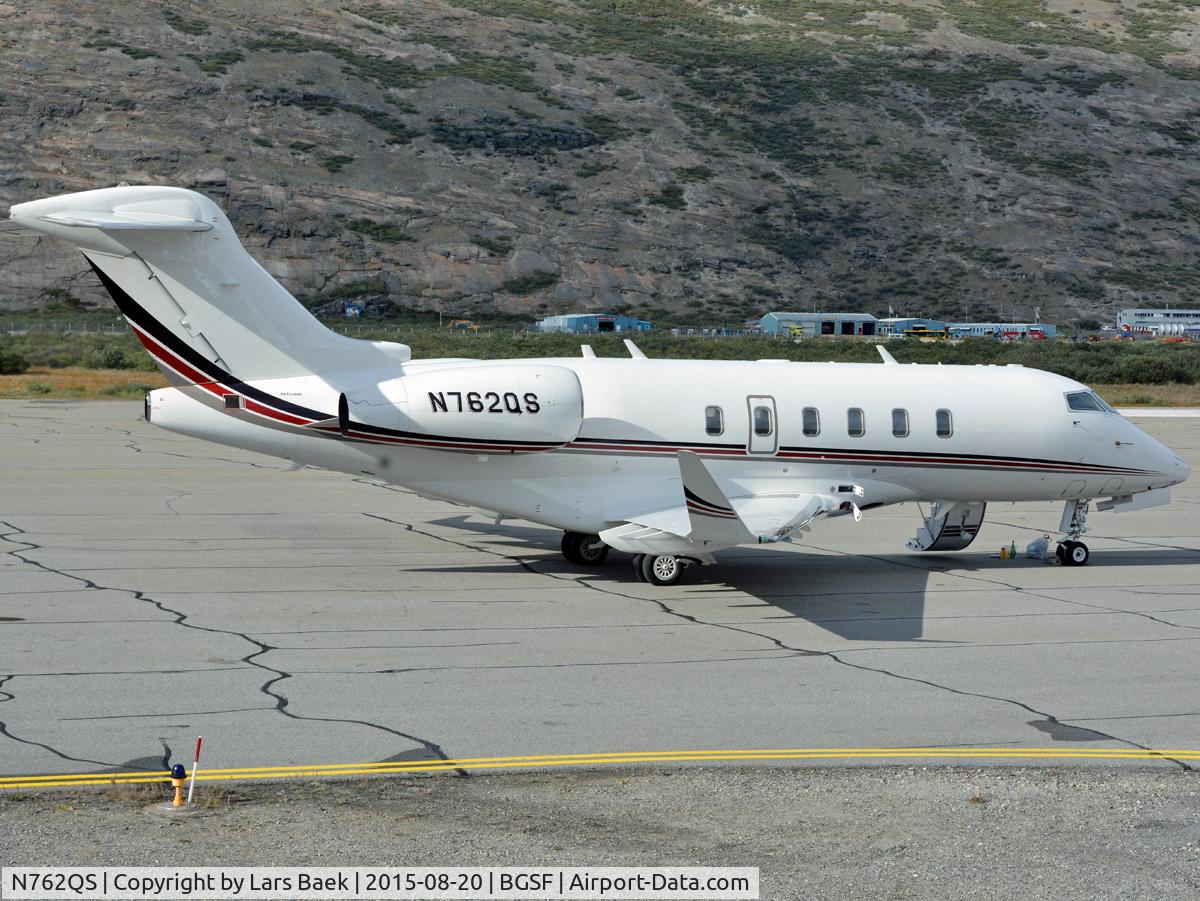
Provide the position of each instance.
(1072, 551)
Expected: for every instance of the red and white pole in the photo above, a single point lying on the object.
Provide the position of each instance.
(195, 766)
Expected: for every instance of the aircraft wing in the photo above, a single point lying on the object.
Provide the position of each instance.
(708, 521)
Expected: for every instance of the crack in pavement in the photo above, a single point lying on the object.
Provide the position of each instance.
(794, 650)
(132, 445)
(226, 460)
(1039, 594)
(6, 733)
(180, 618)
(1050, 719)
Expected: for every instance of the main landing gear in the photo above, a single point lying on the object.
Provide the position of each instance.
(658, 569)
(1072, 551)
(584, 550)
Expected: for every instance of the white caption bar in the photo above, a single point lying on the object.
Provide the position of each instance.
(263, 883)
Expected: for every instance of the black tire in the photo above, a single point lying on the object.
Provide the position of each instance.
(662, 569)
(570, 547)
(1061, 553)
(1078, 554)
(637, 567)
(591, 550)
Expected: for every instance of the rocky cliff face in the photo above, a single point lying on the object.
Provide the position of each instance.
(702, 160)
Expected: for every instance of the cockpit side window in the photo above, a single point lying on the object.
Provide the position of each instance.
(1087, 401)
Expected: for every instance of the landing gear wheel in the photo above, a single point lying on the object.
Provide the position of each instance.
(1072, 553)
(570, 546)
(637, 567)
(662, 569)
(592, 551)
(584, 550)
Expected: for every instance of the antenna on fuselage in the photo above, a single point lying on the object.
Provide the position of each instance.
(586, 350)
(887, 357)
(633, 350)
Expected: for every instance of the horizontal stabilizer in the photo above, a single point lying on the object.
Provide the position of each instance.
(122, 220)
(11, 229)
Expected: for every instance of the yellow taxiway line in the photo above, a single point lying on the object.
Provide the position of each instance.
(304, 771)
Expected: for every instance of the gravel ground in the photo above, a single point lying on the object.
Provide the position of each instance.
(878, 832)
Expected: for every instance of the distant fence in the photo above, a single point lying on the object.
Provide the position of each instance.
(63, 326)
(376, 329)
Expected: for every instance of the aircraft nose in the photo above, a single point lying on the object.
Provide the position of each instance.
(1181, 472)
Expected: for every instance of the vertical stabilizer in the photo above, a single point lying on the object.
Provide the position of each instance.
(176, 269)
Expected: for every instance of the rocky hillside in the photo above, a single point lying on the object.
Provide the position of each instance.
(692, 159)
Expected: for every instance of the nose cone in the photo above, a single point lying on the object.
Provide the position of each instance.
(1181, 471)
(1163, 466)
(1168, 467)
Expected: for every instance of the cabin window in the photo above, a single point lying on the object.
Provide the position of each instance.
(762, 421)
(714, 420)
(1088, 400)
(945, 424)
(233, 401)
(900, 423)
(854, 422)
(812, 422)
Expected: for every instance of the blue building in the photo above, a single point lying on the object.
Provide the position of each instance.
(1006, 330)
(591, 323)
(808, 325)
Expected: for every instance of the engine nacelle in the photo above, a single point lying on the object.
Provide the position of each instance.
(491, 407)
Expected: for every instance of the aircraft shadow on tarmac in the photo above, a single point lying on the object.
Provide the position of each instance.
(857, 597)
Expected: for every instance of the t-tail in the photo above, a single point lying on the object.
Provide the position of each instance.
(201, 305)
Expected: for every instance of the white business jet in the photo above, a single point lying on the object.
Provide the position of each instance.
(669, 460)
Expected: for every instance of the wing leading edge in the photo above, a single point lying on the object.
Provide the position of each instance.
(709, 521)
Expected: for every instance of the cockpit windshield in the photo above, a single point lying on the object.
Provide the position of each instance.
(1088, 401)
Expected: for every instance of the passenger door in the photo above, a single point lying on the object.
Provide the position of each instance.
(764, 429)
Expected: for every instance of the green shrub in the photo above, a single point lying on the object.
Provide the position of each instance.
(604, 127)
(12, 363)
(527, 284)
(693, 173)
(670, 196)
(185, 26)
(337, 162)
(380, 231)
(115, 358)
(588, 170)
(501, 246)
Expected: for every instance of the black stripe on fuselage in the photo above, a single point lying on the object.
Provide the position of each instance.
(848, 455)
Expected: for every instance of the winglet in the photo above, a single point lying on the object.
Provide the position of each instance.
(586, 350)
(887, 357)
(633, 350)
(712, 517)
